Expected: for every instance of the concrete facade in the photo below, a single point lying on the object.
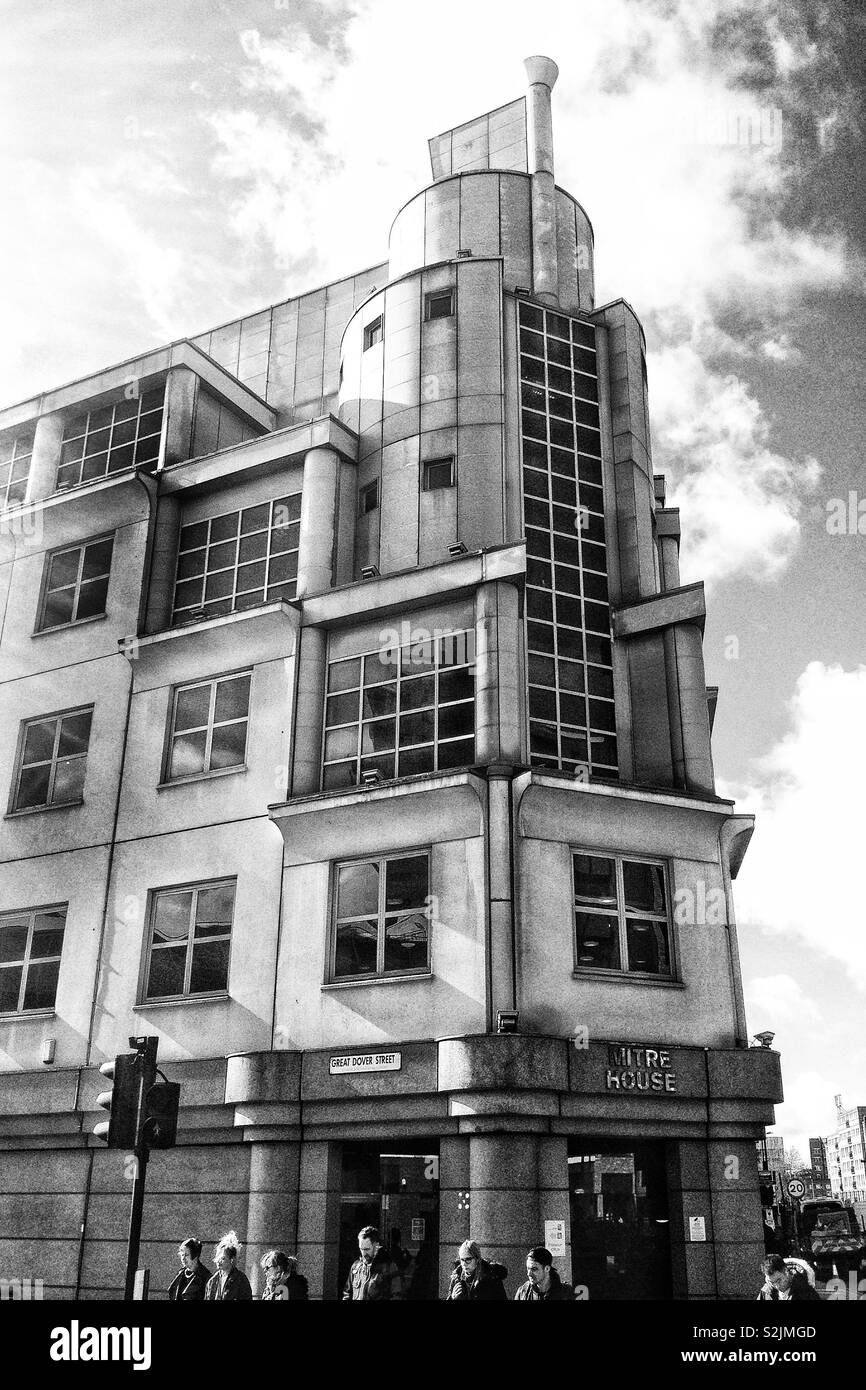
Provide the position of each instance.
(410, 678)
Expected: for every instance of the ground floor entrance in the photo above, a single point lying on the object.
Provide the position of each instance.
(394, 1187)
(620, 1225)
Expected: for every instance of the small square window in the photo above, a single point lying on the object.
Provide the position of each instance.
(373, 333)
(189, 940)
(368, 497)
(381, 918)
(438, 473)
(76, 584)
(209, 726)
(31, 944)
(438, 304)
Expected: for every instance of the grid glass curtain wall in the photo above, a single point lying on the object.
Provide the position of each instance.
(238, 559)
(111, 438)
(571, 708)
(399, 711)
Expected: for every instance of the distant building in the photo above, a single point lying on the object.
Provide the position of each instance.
(818, 1160)
(845, 1150)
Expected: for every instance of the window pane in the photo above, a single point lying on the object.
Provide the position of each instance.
(287, 510)
(414, 694)
(232, 699)
(377, 735)
(187, 754)
(91, 598)
(341, 743)
(648, 947)
(41, 987)
(251, 576)
(384, 765)
(64, 568)
(13, 939)
(253, 547)
(379, 700)
(219, 585)
(229, 745)
(215, 909)
(343, 675)
(191, 564)
(460, 753)
(597, 940)
(47, 935)
(222, 527)
(68, 780)
(416, 760)
(405, 883)
(75, 732)
(594, 878)
(192, 707)
(33, 788)
(644, 886)
(355, 952)
(39, 741)
(256, 519)
(166, 972)
(381, 666)
(338, 775)
(342, 709)
(171, 915)
(406, 942)
(210, 966)
(456, 685)
(282, 568)
(58, 608)
(10, 986)
(416, 728)
(192, 536)
(188, 595)
(358, 890)
(455, 720)
(418, 657)
(97, 559)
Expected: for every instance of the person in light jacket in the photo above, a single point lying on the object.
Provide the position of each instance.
(188, 1286)
(229, 1284)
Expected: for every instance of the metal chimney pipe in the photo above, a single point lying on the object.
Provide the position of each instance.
(542, 73)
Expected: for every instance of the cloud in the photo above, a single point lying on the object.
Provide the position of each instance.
(803, 876)
(807, 1111)
(780, 998)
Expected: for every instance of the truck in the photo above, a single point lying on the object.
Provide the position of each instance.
(831, 1238)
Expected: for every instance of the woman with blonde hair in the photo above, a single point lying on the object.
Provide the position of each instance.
(228, 1284)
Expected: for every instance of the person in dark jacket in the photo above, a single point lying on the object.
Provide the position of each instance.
(189, 1285)
(370, 1275)
(783, 1284)
(543, 1284)
(283, 1282)
(475, 1278)
(229, 1284)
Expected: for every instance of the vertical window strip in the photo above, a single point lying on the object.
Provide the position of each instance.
(16, 451)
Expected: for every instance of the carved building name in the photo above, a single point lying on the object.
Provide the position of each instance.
(639, 1069)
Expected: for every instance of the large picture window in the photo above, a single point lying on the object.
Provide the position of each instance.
(111, 438)
(209, 726)
(76, 584)
(395, 712)
(238, 559)
(52, 760)
(31, 943)
(621, 915)
(189, 940)
(381, 918)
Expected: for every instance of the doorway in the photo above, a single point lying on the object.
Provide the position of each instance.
(620, 1231)
(394, 1187)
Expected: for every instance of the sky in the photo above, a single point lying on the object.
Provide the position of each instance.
(175, 164)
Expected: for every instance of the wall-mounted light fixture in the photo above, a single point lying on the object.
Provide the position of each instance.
(764, 1039)
(48, 1047)
(507, 1020)
(457, 549)
(369, 571)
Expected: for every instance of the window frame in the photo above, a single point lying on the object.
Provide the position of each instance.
(44, 590)
(59, 715)
(26, 453)
(427, 464)
(380, 974)
(180, 615)
(85, 433)
(431, 295)
(27, 959)
(371, 487)
(624, 970)
(374, 332)
(144, 999)
(207, 772)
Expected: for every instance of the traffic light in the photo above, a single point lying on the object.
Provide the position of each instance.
(121, 1130)
(159, 1130)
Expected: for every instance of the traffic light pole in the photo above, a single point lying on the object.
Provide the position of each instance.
(135, 1214)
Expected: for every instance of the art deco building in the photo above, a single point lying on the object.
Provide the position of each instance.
(356, 741)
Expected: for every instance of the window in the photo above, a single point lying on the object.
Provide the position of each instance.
(113, 437)
(189, 940)
(209, 726)
(621, 915)
(52, 760)
(373, 333)
(368, 497)
(238, 559)
(438, 473)
(76, 584)
(381, 918)
(401, 711)
(15, 452)
(31, 943)
(439, 304)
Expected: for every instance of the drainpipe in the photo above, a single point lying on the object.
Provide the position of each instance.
(542, 74)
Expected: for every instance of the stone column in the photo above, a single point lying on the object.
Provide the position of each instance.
(497, 673)
(542, 74)
(166, 534)
(309, 709)
(455, 1204)
(180, 393)
(319, 1217)
(517, 1182)
(46, 456)
(273, 1205)
(318, 519)
(668, 534)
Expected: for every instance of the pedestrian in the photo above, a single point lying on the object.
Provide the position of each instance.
(228, 1284)
(282, 1280)
(784, 1284)
(403, 1266)
(370, 1275)
(543, 1284)
(188, 1286)
(475, 1278)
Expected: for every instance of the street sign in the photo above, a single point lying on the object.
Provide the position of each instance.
(796, 1188)
(353, 1064)
(554, 1237)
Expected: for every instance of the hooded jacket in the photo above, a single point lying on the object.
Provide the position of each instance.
(556, 1293)
(486, 1287)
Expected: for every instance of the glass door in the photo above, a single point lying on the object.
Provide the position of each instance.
(396, 1189)
(620, 1232)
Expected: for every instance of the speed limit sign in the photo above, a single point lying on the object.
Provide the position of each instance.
(796, 1188)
